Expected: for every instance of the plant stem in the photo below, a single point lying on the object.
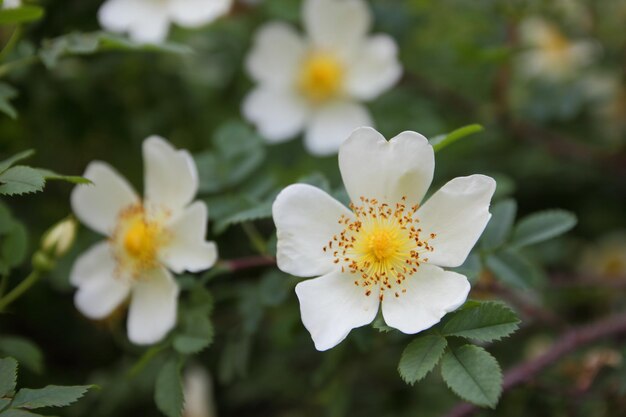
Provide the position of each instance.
(9, 66)
(565, 344)
(15, 36)
(21, 288)
(234, 265)
(255, 237)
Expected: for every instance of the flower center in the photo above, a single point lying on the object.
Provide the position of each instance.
(554, 42)
(321, 77)
(381, 246)
(137, 239)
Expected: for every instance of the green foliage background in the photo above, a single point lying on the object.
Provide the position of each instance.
(545, 144)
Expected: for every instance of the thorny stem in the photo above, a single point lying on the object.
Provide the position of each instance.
(567, 343)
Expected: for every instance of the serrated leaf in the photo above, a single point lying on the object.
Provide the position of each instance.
(89, 43)
(4, 402)
(50, 396)
(21, 180)
(21, 14)
(473, 374)
(541, 226)
(8, 376)
(74, 179)
(499, 227)
(442, 141)
(420, 357)
(261, 211)
(24, 351)
(9, 162)
(14, 246)
(486, 322)
(168, 393)
(189, 345)
(514, 269)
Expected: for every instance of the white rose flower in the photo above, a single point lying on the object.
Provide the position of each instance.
(149, 20)
(145, 239)
(198, 393)
(317, 84)
(387, 249)
(549, 53)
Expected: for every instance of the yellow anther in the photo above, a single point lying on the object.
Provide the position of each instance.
(321, 77)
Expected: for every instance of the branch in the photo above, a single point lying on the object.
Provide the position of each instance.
(568, 342)
(235, 265)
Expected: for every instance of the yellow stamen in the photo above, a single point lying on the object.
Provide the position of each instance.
(382, 245)
(321, 77)
(140, 240)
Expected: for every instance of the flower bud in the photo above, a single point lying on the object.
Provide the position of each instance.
(59, 238)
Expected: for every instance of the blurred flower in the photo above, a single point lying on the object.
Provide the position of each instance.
(549, 53)
(11, 4)
(387, 249)
(59, 238)
(606, 258)
(317, 84)
(149, 20)
(144, 240)
(198, 393)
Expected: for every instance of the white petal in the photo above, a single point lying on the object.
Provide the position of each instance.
(371, 167)
(279, 115)
(152, 312)
(146, 20)
(337, 25)
(194, 13)
(187, 249)
(430, 293)
(100, 291)
(171, 176)
(331, 125)
(332, 305)
(306, 220)
(276, 55)
(457, 213)
(98, 205)
(375, 68)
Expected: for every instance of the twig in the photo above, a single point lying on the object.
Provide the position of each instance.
(235, 265)
(568, 342)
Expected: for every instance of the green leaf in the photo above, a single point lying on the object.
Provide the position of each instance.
(8, 376)
(15, 245)
(74, 179)
(89, 43)
(486, 322)
(50, 396)
(18, 413)
(24, 351)
(420, 357)
(442, 141)
(499, 227)
(21, 14)
(541, 226)
(7, 93)
(9, 162)
(6, 219)
(189, 345)
(511, 268)
(473, 374)
(4, 403)
(261, 211)
(21, 180)
(168, 393)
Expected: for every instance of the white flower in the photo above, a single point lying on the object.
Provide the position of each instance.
(198, 393)
(317, 84)
(149, 20)
(144, 239)
(11, 4)
(387, 249)
(549, 53)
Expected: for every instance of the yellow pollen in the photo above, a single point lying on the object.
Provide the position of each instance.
(137, 239)
(140, 240)
(321, 77)
(382, 245)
